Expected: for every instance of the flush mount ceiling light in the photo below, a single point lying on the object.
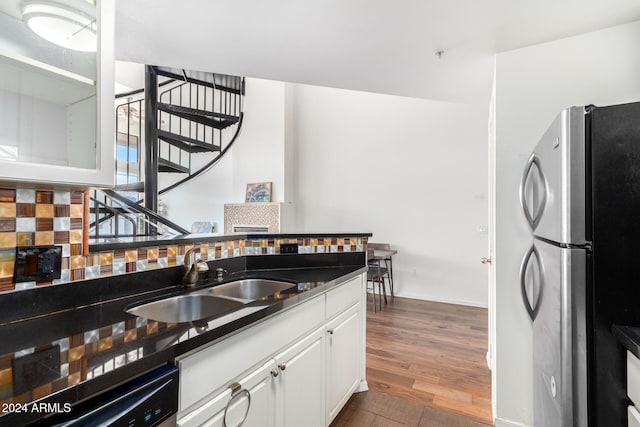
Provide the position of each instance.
(70, 24)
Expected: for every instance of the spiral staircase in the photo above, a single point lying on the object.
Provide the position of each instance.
(172, 131)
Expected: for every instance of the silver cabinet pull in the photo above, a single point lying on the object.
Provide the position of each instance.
(282, 366)
(485, 260)
(236, 392)
(275, 373)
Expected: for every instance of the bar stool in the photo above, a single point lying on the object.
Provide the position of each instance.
(388, 262)
(376, 275)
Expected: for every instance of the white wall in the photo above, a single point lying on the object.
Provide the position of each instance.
(532, 85)
(413, 172)
(256, 156)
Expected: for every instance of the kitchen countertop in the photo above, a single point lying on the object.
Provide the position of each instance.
(99, 345)
(629, 337)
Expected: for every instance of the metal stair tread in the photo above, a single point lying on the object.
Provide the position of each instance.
(175, 109)
(226, 84)
(188, 144)
(132, 186)
(216, 120)
(165, 165)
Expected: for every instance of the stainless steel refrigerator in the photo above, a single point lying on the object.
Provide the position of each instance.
(581, 196)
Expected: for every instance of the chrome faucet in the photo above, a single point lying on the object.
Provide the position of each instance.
(192, 265)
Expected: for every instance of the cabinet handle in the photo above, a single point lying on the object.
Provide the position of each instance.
(275, 373)
(330, 331)
(237, 391)
(282, 366)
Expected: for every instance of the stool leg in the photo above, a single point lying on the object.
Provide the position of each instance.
(390, 265)
(373, 295)
(384, 290)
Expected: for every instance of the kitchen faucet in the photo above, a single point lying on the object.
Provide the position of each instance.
(192, 265)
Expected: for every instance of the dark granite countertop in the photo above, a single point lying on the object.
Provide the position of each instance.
(96, 345)
(629, 337)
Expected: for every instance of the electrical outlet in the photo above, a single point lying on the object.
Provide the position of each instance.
(288, 248)
(37, 263)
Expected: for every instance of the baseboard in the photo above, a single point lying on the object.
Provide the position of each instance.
(506, 423)
(364, 386)
(443, 300)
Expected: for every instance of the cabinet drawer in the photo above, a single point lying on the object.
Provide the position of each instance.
(633, 378)
(213, 367)
(344, 296)
(634, 417)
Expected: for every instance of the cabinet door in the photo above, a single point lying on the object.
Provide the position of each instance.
(300, 383)
(257, 402)
(57, 96)
(343, 359)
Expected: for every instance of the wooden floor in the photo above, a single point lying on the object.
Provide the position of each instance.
(376, 409)
(431, 354)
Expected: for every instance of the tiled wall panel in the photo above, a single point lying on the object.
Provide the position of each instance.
(34, 217)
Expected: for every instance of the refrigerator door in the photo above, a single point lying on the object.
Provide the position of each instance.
(559, 340)
(552, 191)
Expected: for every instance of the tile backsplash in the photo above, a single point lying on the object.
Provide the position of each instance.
(39, 217)
(43, 217)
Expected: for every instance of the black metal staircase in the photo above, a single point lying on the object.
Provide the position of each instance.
(197, 114)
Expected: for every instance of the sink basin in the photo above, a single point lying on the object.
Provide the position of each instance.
(185, 308)
(247, 289)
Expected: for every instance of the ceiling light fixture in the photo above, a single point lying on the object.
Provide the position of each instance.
(67, 23)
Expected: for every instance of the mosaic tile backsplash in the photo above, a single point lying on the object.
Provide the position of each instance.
(35, 217)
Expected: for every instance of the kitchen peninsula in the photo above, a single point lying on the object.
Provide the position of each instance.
(67, 343)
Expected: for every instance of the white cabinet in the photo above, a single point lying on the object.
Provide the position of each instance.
(299, 367)
(634, 417)
(633, 388)
(285, 391)
(343, 359)
(56, 101)
(300, 383)
(251, 399)
(214, 367)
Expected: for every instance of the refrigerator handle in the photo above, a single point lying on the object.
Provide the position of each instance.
(535, 219)
(523, 284)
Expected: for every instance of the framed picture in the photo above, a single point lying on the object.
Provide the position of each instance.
(258, 192)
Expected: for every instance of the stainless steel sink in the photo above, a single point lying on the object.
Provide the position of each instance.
(247, 289)
(185, 308)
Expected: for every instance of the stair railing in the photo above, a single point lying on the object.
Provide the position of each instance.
(116, 206)
(196, 113)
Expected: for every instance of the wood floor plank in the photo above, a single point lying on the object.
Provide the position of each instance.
(432, 354)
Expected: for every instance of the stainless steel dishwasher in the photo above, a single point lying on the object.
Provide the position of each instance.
(148, 400)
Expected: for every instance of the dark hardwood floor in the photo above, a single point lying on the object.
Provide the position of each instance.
(425, 361)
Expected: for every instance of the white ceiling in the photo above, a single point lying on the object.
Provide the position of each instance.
(384, 46)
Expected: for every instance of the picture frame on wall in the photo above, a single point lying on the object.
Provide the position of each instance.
(258, 192)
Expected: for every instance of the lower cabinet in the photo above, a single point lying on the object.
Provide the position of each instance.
(305, 383)
(250, 402)
(344, 366)
(300, 383)
(633, 389)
